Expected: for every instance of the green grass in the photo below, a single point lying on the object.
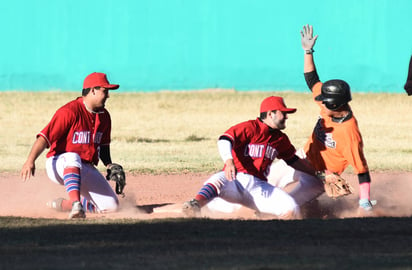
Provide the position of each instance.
(174, 132)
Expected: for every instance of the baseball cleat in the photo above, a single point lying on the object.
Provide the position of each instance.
(366, 204)
(191, 208)
(77, 210)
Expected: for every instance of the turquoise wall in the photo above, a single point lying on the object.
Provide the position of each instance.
(149, 45)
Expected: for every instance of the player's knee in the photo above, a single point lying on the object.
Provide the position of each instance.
(284, 208)
(109, 206)
(290, 210)
(218, 205)
(293, 213)
(218, 180)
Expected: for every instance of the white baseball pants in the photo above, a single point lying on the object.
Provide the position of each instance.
(308, 187)
(93, 185)
(253, 193)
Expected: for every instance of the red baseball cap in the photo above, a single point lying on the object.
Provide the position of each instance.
(275, 104)
(97, 79)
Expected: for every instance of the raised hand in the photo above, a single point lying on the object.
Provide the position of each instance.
(308, 41)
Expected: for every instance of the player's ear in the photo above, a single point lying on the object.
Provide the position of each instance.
(270, 112)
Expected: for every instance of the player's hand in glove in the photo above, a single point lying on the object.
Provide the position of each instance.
(116, 173)
(308, 41)
(335, 185)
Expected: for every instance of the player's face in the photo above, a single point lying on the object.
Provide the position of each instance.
(328, 112)
(277, 119)
(101, 95)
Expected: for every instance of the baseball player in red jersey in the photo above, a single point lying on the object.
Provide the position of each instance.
(336, 141)
(77, 136)
(247, 150)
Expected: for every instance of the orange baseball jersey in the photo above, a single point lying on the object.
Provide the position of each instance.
(335, 145)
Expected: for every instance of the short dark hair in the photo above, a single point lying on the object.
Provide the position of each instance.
(263, 115)
(85, 91)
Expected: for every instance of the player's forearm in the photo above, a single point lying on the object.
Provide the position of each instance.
(38, 147)
(225, 149)
(308, 63)
(303, 166)
(105, 155)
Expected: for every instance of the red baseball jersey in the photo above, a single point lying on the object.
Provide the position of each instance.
(333, 145)
(255, 146)
(73, 128)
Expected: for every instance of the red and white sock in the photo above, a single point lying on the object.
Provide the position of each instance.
(71, 179)
(206, 193)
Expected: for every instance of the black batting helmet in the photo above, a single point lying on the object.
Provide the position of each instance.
(335, 94)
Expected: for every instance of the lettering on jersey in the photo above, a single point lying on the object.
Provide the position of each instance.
(271, 153)
(323, 136)
(98, 137)
(83, 137)
(254, 150)
(257, 150)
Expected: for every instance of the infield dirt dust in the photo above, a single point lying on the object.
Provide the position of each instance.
(161, 196)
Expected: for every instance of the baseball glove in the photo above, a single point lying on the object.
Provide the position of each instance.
(335, 185)
(116, 173)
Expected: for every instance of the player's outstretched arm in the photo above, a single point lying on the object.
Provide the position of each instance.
(303, 166)
(29, 166)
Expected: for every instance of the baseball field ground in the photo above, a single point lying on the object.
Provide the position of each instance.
(167, 143)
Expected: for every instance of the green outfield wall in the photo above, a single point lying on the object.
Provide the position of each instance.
(151, 45)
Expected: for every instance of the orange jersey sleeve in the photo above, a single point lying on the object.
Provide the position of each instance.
(334, 146)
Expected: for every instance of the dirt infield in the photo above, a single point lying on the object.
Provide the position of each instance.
(161, 196)
(142, 235)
